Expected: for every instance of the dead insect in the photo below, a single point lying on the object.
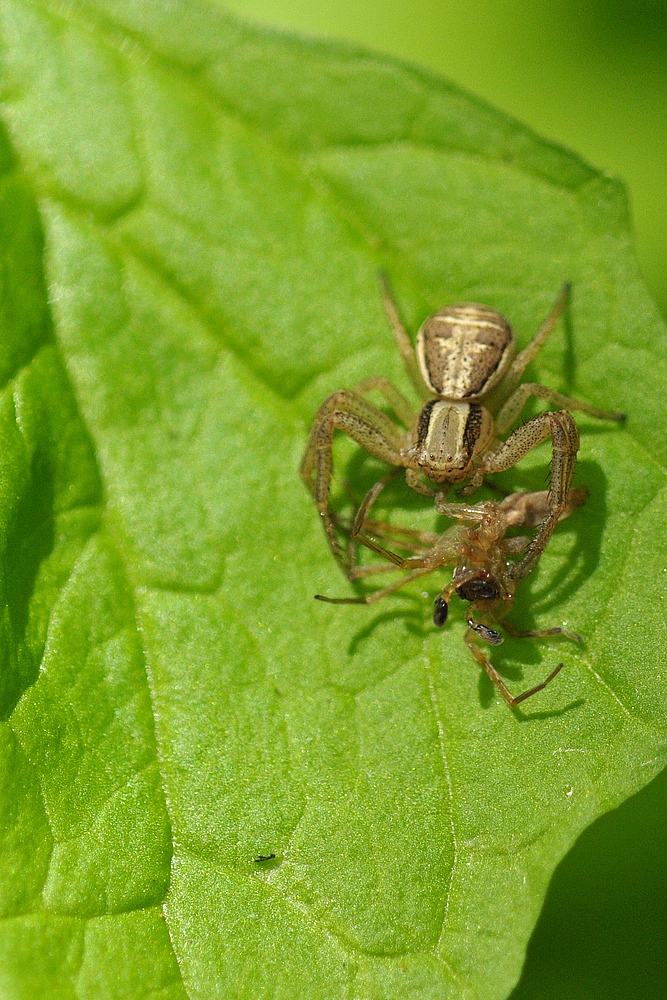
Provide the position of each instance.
(467, 372)
(264, 857)
(484, 572)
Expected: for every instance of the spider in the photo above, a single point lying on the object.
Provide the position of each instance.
(467, 372)
(484, 568)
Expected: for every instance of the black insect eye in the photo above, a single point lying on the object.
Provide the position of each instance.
(440, 611)
(488, 634)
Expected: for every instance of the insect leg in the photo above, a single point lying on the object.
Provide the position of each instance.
(377, 595)
(486, 664)
(463, 511)
(539, 633)
(410, 539)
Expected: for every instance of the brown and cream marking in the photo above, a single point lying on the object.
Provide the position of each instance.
(464, 351)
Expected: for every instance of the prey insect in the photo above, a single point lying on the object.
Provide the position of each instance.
(466, 371)
(484, 564)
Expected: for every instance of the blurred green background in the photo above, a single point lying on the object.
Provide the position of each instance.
(591, 75)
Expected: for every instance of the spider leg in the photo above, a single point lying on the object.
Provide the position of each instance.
(544, 331)
(560, 426)
(364, 423)
(403, 342)
(528, 509)
(516, 402)
(415, 483)
(399, 404)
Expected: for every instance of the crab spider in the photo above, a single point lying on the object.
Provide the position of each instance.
(466, 371)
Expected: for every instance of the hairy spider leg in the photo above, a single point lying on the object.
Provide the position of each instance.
(364, 423)
(516, 402)
(560, 426)
(403, 342)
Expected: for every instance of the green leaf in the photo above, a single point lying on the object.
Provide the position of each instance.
(193, 214)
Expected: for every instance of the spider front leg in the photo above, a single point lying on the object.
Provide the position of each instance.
(364, 423)
(560, 426)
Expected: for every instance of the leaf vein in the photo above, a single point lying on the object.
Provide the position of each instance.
(442, 743)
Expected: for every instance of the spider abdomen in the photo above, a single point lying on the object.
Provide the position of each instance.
(464, 351)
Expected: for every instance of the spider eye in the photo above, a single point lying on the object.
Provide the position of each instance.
(440, 611)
